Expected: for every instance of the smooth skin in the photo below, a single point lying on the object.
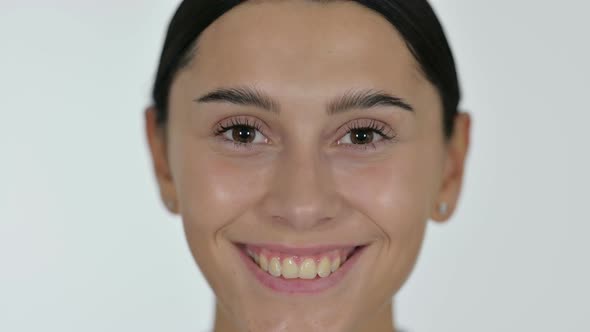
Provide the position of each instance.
(304, 179)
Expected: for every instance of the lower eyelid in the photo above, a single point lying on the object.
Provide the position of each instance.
(237, 145)
(362, 147)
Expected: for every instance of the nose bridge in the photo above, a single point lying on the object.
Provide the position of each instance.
(302, 193)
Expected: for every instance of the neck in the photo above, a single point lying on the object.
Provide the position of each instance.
(382, 321)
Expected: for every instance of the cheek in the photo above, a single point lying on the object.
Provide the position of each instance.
(393, 193)
(215, 190)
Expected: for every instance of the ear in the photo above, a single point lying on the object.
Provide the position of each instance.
(156, 137)
(452, 180)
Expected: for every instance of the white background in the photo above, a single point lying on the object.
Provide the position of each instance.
(85, 244)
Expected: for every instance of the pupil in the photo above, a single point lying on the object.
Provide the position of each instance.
(362, 136)
(243, 134)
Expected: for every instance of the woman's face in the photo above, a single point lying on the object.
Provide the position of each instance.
(305, 133)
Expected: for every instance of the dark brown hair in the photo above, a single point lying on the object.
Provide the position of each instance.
(414, 19)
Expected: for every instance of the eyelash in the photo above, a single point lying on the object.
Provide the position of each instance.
(238, 122)
(387, 135)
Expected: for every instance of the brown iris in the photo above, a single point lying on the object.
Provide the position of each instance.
(243, 134)
(361, 136)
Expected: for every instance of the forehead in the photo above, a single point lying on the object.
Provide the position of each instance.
(305, 47)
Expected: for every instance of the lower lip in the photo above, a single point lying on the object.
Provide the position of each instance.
(293, 286)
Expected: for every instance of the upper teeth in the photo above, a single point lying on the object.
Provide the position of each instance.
(290, 267)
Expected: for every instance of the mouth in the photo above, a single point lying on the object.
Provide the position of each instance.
(299, 270)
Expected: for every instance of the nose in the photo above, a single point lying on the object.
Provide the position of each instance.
(302, 194)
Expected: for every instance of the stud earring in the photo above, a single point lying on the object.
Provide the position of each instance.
(443, 208)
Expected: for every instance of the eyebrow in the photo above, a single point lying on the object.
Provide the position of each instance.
(350, 100)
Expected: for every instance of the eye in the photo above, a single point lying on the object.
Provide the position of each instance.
(244, 134)
(241, 131)
(360, 136)
(366, 134)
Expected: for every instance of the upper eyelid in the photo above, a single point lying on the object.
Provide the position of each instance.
(263, 128)
(239, 120)
(359, 124)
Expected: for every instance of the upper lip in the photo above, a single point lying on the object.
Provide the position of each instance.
(302, 250)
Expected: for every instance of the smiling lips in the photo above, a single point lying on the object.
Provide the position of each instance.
(302, 263)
